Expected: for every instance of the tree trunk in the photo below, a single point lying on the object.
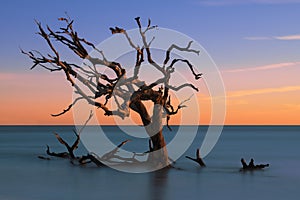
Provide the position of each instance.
(158, 156)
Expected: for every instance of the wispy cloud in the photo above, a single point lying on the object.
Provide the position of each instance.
(243, 93)
(239, 2)
(288, 37)
(231, 95)
(265, 67)
(284, 37)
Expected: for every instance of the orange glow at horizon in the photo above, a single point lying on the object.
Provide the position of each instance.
(254, 97)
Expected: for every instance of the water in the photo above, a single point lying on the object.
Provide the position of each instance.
(25, 177)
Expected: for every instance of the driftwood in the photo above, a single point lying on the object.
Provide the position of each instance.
(60, 155)
(198, 159)
(43, 158)
(73, 147)
(121, 86)
(251, 166)
(90, 157)
(93, 158)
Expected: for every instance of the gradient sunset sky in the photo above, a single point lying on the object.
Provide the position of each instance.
(255, 44)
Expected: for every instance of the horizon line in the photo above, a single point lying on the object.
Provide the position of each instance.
(3, 125)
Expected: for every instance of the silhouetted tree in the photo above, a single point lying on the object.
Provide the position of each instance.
(128, 92)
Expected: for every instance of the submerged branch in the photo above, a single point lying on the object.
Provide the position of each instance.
(198, 159)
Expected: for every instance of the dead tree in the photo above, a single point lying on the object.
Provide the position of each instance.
(121, 86)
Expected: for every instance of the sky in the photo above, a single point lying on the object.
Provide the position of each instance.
(254, 43)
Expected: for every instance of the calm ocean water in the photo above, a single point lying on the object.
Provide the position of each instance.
(25, 177)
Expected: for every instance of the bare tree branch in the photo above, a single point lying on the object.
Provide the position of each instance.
(147, 47)
(85, 123)
(169, 109)
(74, 146)
(112, 153)
(68, 108)
(183, 86)
(174, 46)
(197, 76)
(198, 159)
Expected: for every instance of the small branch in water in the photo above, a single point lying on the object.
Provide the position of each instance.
(198, 159)
(60, 155)
(251, 166)
(43, 158)
(90, 158)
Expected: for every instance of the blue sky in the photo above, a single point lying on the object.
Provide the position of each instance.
(222, 27)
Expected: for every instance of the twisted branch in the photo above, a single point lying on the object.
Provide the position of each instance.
(174, 46)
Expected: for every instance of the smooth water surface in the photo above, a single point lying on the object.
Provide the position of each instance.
(25, 177)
